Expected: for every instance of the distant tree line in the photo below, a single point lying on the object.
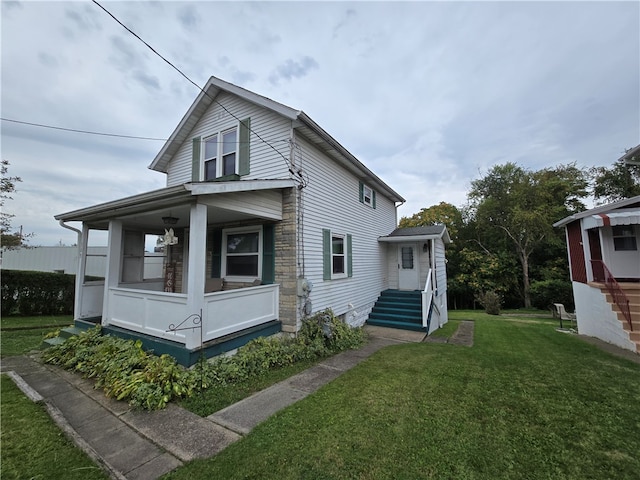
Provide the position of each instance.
(503, 238)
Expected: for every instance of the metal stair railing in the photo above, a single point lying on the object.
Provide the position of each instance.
(602, 274)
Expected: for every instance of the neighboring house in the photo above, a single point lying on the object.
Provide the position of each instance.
(62, 259)
(604, 259)
(271, 220)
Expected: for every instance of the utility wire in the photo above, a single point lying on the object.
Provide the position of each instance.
(191, 81)
(80, 131)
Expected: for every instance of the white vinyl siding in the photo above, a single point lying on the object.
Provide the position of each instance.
(331, 202)
(265, 162)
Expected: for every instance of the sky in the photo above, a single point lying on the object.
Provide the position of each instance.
(428, 95)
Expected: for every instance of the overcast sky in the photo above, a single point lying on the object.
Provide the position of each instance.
(428, 95)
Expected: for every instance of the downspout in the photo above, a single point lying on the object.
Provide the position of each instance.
(78, 273)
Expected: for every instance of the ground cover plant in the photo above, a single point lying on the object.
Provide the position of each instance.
(525, 402)
(33, 446)
(22, 334)
(126, 372)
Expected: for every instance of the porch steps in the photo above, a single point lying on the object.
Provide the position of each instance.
(398, 309)
(632, 292)
(79, 326)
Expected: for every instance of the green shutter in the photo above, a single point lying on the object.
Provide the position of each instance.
(349, 257)
(216, 253)
(268, 254)
(195, 160)
(361, 191)
(326, 254)
(244, 150)
(373, 200)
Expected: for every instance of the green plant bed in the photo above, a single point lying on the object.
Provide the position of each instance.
(525, 402)
(33, 446)
(217, 397)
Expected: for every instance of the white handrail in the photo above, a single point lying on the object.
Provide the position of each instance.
(427, 299)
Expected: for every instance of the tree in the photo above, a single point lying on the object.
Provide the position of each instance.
(443, 213)
(620, 181)
(515, 207)
(7, 187)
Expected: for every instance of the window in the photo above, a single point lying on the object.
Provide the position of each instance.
(407, 258)
(367, 195)
(337, 259)
(337, 255)
(624, 238)
(225, 150)
(242, 253)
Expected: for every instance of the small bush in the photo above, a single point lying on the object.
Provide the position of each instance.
(547, 292)
(491, 302)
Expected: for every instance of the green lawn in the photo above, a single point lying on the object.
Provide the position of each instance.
(525, 402)
(32, 445)
(22, 334)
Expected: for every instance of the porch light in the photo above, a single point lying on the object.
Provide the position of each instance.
(170, 220)
(425, 248)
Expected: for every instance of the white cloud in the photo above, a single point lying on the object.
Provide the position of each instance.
(429, 95)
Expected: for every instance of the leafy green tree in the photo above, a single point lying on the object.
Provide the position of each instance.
(443, 213)
(616, 183)
(515, 208)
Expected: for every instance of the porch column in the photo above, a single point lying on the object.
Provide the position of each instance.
(114, 261)
(196, 271)
(81, 268)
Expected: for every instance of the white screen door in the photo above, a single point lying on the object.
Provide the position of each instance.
(407, 267)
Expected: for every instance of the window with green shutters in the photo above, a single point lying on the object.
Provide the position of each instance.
(223, 155)
(337, 255)
(366, 195)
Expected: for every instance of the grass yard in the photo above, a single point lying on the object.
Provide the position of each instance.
(525, 402)
(20, 335)
(33, 446)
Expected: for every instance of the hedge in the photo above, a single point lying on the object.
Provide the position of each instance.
(37, 293)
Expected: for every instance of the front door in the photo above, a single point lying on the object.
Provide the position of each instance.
(408, 267)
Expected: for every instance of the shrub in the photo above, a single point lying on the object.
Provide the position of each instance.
(37, 293)
(491, 302)
(126, 372)
(547, 292)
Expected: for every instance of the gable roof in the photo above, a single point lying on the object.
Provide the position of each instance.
(412, 234)
(601, 210)
(301, 123)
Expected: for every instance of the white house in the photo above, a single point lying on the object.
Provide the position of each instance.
(267, 219)
(604, 261)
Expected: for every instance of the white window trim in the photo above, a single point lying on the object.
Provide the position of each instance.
(223, 263)
(219, 163)
(366, 197)
(344, 274)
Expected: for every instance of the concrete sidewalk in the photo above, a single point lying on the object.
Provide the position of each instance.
(132, 444)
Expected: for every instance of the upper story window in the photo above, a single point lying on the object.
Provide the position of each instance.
(367, 195)
(220, 154)
(624, 238)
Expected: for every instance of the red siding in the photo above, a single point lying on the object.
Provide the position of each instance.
(576, 252)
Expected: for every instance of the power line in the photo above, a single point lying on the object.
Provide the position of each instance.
(80, 131)
(191, 81)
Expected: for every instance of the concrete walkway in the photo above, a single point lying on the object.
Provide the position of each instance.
(131, 444)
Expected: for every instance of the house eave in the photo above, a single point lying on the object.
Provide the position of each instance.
(598, 210)
(197, 109)
(346, 159)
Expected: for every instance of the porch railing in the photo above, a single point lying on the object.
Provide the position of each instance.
(427, 299)
(602, 274)
(223, 312)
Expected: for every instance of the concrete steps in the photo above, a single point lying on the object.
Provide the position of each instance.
(632, 292)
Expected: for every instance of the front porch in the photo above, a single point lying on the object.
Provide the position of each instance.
(220, 282)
